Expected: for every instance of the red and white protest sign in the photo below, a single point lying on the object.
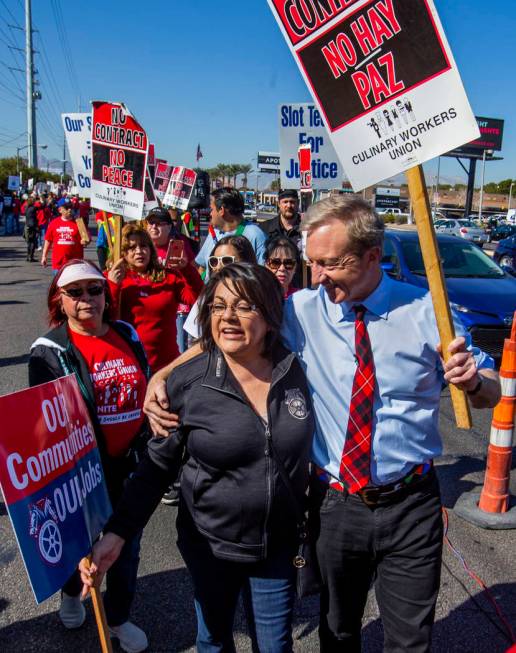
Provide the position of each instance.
(52, 480)
(161, 178)
(304, 154)
(383, 76)
(119, 154)
(180, 187)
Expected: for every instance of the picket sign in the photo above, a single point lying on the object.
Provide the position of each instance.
(435, 276)
(388, 105)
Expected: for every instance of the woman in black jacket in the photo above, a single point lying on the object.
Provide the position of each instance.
(246, 424)
(111, 368)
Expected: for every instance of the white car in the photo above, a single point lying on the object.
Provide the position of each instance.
(250, 213)
(463, 228)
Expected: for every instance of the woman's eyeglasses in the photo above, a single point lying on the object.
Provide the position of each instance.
(77, 293)
(276, 263)
(242, 310)
(215, 261)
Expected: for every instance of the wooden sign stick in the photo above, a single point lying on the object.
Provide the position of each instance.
(117, 247)
(435, 276)
(82, 230)
(100, 615)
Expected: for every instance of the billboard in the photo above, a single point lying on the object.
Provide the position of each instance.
(387, 198)
(491, 136)
(268, 162)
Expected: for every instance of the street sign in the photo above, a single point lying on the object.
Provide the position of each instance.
(268, 162)
(119, 152)
(301, 124)
(77, 129)
(13, 183)
(383, 77)
(52, 480)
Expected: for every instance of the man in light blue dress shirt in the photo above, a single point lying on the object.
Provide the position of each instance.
(391, 531)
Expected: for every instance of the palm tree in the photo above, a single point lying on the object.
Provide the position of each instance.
(245, 169)
(234, 171)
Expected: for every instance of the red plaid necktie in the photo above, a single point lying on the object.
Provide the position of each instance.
(356, 457)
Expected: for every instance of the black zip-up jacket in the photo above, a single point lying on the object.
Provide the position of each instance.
(54, 355)
(230, 483)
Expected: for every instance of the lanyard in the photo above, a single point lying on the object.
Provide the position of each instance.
(238, 232)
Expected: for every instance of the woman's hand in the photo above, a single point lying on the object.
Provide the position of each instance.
(117, 272)
(155, 405)
(104, 553)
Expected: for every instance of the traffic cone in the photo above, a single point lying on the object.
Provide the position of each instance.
(491, 507)
(495, 493)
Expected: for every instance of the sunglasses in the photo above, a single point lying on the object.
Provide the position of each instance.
(159, 223)
(215, 261)
(276, 263)
(77, 293)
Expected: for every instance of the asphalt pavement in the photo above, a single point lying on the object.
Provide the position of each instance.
(466, 621)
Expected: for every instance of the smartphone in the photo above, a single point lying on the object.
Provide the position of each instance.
(175, 253)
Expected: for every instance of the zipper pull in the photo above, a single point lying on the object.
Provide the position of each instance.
(267, 441)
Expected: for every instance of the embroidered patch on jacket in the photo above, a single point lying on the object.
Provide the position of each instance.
(296, 403)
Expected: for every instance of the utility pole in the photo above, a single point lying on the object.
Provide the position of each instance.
(31, 97)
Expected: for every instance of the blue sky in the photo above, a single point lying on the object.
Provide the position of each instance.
(214, 72)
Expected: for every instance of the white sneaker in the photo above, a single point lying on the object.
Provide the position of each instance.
(132, 639)
(39, 249)
(72, 612)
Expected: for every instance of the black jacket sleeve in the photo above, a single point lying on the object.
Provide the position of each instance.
(156, 471)
(44, 366)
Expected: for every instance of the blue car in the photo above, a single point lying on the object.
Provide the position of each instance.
(505, 253)
(482, 293)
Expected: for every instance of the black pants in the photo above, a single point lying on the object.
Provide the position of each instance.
(399, 547)
(31, 236)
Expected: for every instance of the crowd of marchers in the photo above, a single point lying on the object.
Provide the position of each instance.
(293, 426)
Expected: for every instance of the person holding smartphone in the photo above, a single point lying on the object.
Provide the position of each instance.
(162, 230)
(147, 295)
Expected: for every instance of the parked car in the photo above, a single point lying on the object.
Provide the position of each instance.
(501, 231)
(393, 211)
(505, 253)
(463, 228)
(483, 294)
(250, 212)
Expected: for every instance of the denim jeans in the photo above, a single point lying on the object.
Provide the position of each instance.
(270, 587)
(8, 221)
(120, 583)
(182, 336)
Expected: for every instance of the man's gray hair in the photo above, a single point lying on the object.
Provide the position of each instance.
(364, 227)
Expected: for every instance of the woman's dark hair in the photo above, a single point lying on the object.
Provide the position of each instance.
(230, 199)
(241, 244)
(56, 315)
(281, 243)
(255, 285)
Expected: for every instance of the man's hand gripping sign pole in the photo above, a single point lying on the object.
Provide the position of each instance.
(382, 74)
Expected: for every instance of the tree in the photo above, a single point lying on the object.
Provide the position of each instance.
(10, 166)
(504, 185)
(491, 187)
(275, 185)
(245, 169)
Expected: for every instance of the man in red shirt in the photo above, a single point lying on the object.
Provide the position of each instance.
(64, 238)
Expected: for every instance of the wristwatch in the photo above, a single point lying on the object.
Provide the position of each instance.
(477, 387)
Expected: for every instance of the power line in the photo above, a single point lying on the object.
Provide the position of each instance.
(13, 139)
(10, 14)
(65, 45)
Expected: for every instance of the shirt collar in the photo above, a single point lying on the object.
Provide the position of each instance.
(377, 303)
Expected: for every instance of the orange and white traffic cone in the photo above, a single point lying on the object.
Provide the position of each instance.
(495, 493)
(491, 508)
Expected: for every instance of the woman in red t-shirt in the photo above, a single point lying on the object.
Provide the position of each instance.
(148, 295)
(109, 361)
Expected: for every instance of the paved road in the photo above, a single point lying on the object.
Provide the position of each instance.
(465, 622)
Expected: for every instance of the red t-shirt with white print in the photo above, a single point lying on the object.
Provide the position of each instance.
(119, 385)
